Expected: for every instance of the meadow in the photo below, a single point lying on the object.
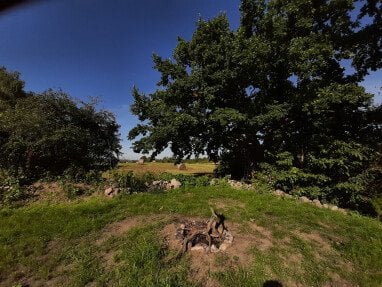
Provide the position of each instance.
(160, 167)
(129, 240)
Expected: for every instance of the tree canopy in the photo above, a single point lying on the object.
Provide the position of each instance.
(284, 89)
(50, 133)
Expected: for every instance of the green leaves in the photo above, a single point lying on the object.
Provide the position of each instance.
(49, 133)
(277, 86)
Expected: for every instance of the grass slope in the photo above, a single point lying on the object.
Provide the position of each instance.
(296, 244)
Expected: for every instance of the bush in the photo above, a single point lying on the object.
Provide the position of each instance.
(81, 175)
(187, 179)
(129, 182)
(11, 191)
(50, 134)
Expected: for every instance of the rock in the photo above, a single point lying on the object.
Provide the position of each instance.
(108, 191)
(224, 246)
(112, 191)
(159, 184)
(325, 205)
(239, 185)
(304, 199)
(317, 203)
(173, 184)
(141, 161)
(334, 207)
(279, 192)
(197, 248)
(342, 210)
(228, 238)
(288, 195)
(182, 166)
(214, 249)
(214, 181)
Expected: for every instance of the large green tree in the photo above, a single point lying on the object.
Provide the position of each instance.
(283, 89)
(49, 133)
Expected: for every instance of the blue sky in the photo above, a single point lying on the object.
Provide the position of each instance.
(103, 48)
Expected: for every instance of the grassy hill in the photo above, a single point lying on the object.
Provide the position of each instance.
(129, 241)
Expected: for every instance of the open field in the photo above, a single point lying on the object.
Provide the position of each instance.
(158, 167)
(129, 241)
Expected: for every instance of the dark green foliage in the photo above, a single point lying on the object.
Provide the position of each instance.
(274, 92)
(187, 180)
(12, 191)
(72, 190)
(130, 182)
(50, 133)
(133, 183)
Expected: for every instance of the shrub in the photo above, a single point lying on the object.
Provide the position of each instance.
(11, 191)
(187, 179)
(129, 182)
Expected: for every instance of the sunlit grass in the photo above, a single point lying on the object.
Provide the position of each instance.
(56, 243)
(158, 167)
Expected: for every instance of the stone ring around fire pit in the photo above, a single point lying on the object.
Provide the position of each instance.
(208, 236)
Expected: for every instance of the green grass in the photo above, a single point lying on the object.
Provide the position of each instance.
(57, 243)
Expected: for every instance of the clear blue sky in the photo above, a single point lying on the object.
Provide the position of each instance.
(103, 48)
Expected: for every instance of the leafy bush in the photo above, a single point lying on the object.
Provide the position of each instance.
(12, 191)
(129, 182)
(75, 189)
(50, 133)
(187, 179)
(81, 175)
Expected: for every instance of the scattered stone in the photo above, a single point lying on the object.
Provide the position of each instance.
(163, 184)
(214, 249)
(342, 210)
(197, 248)
(182, 166)
(214, 181)
(173, 184)
(159, 184)
(334, 207)
(239, 185)
(224, 246)
(279, 192)
(304, 199)
(141, 161)
(317, 203)
(228, 237)
(112, 191)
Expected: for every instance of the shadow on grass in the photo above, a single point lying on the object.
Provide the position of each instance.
(272, 283)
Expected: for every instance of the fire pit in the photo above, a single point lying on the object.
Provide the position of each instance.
(210, 235)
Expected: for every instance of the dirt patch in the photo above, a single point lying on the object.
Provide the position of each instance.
(226, 203)
(121, 227)
(203, 263)
(49, 191)
(337, 281)
(262, 237)
(316, 239)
